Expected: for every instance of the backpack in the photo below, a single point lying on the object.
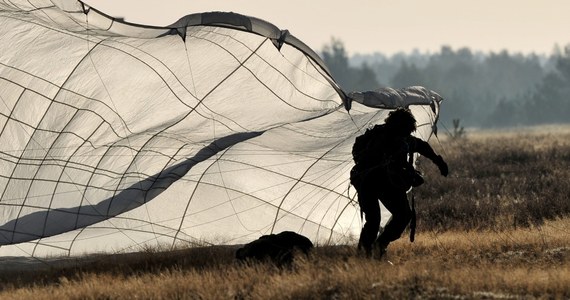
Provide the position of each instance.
(361, 142)
(402, 178)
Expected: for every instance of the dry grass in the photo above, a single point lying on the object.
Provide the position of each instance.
(498, 180)
(531, 262)
(483, 233)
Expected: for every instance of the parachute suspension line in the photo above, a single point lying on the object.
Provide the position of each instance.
(297, 182)
(349, 184)
(218, 157)
(352, 119)
(358, 128)
(190, 68)
(126, 133)
(331, 176)
(441, 145)
(449, 134)
(85, 9)
(2, 232)
(38, 241)
(230, 200)
(19, 158)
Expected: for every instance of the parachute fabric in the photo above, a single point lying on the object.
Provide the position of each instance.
(217, 129)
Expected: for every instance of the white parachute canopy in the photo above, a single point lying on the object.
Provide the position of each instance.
(216, 129)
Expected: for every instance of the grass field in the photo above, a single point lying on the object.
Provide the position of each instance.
(497, 228)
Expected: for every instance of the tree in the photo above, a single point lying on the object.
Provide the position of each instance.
(350, 78)
(551, 101)
(408, 75)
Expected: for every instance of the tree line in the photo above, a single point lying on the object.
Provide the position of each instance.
(481, 89)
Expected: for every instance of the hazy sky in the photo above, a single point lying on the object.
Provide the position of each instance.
(388, 26)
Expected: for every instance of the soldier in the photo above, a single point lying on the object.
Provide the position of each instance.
(384, 172)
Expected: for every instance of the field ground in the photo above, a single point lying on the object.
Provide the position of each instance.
(516, 264)
(497, 228)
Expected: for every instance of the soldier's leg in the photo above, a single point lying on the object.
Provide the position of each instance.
(370, 206)
(396, 202)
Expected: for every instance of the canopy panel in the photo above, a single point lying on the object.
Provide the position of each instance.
(216, 129)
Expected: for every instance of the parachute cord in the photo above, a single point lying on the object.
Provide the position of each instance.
(190, 69)
(37, 242)
(439, 141)
(348, 188)
(349, 184)
(230, 200)
(353, 122)
(126, 132)
(1, 232)
(24, 199)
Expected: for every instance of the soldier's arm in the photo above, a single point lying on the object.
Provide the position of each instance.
(423, 148)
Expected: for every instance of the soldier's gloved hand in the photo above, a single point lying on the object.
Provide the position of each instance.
(442, 165)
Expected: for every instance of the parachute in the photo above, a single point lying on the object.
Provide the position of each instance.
(217, 129)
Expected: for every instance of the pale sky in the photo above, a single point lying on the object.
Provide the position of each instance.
(387, 26)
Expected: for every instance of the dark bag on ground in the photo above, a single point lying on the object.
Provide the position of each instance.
(278, 248)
